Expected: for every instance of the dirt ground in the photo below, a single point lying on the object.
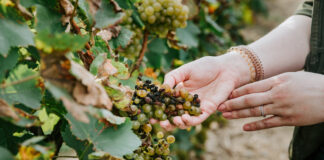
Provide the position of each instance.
(232, 143)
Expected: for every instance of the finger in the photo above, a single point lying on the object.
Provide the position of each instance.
(178, 122)
(176, 76)
(246, 101)
(167, 125)
(270, 122)
(256, 87)
(223, 90)
(194, 120)
(269, 109)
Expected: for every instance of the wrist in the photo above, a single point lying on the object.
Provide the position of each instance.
(240, 68)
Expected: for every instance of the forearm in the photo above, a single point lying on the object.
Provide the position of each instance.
(285, 48)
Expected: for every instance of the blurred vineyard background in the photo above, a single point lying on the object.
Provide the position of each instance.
(231, 143)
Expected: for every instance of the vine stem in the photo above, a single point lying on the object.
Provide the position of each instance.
(18, 81)
(142, 53)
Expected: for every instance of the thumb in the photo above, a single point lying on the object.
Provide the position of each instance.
(176, 76)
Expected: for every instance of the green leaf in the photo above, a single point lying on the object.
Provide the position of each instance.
(25, 92)
(13, 34)
(122, 70)
(97, 62)
(117, 141)
(48, 20)
(7, 63)
(8, 140)
(123, 38)
(60, 42)
(213, 25)
(85, 9)
(82, 148)
(189, 35)
(48, 120)
(5, 154)
(106, 15)
(158, 45)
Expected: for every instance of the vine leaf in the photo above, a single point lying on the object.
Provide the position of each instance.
(14, 34)
(106, 15)
(88, 91)
(7, 111)
(76, 110)
(123, 39)
(117, 141)
(7, 63)
(82, 148)
(5, 154)
(22, 88)
(189, 35)
(97, 62)
(106, 69)
(111, 117)
(59, 42)
(48, 120)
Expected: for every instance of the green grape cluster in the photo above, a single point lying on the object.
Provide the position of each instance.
(161, 16)
(132, 50)
(154, 147)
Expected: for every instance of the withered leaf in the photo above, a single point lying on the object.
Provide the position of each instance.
(173, 42)
(77, 111)
(106, 69)
(87, 91)
(7, 111)
(109, 33)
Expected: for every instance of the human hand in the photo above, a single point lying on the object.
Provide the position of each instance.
(213, 79)
(293, 99)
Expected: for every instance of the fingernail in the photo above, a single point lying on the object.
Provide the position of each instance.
(221, 107)
(247, 127)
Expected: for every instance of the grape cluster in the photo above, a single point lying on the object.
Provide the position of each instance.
(161, 16)
(156, 148)
(132, 50)
(162, 103)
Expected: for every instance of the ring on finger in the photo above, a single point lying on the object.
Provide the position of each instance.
(261, 108)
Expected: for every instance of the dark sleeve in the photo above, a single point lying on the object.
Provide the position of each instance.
(306, 8)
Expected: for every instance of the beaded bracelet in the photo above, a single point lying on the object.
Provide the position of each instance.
(255, 65)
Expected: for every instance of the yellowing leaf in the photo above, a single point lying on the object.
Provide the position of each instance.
(28, 153)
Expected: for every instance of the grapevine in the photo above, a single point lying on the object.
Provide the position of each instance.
(86, 75)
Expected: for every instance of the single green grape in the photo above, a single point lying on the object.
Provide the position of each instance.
(170, 139)
(187, 105)
(147, 128)
(141, 118)
(136, 125)
(150, 151)
(160, 135)
(147, 108)
(158, 113)
(149, 11)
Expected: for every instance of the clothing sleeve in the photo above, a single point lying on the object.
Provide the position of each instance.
(306, 8)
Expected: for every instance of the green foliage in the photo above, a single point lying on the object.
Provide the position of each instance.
(117, 142)
(5, 154)
(25, 92)
(65, 82)
(13, 34)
